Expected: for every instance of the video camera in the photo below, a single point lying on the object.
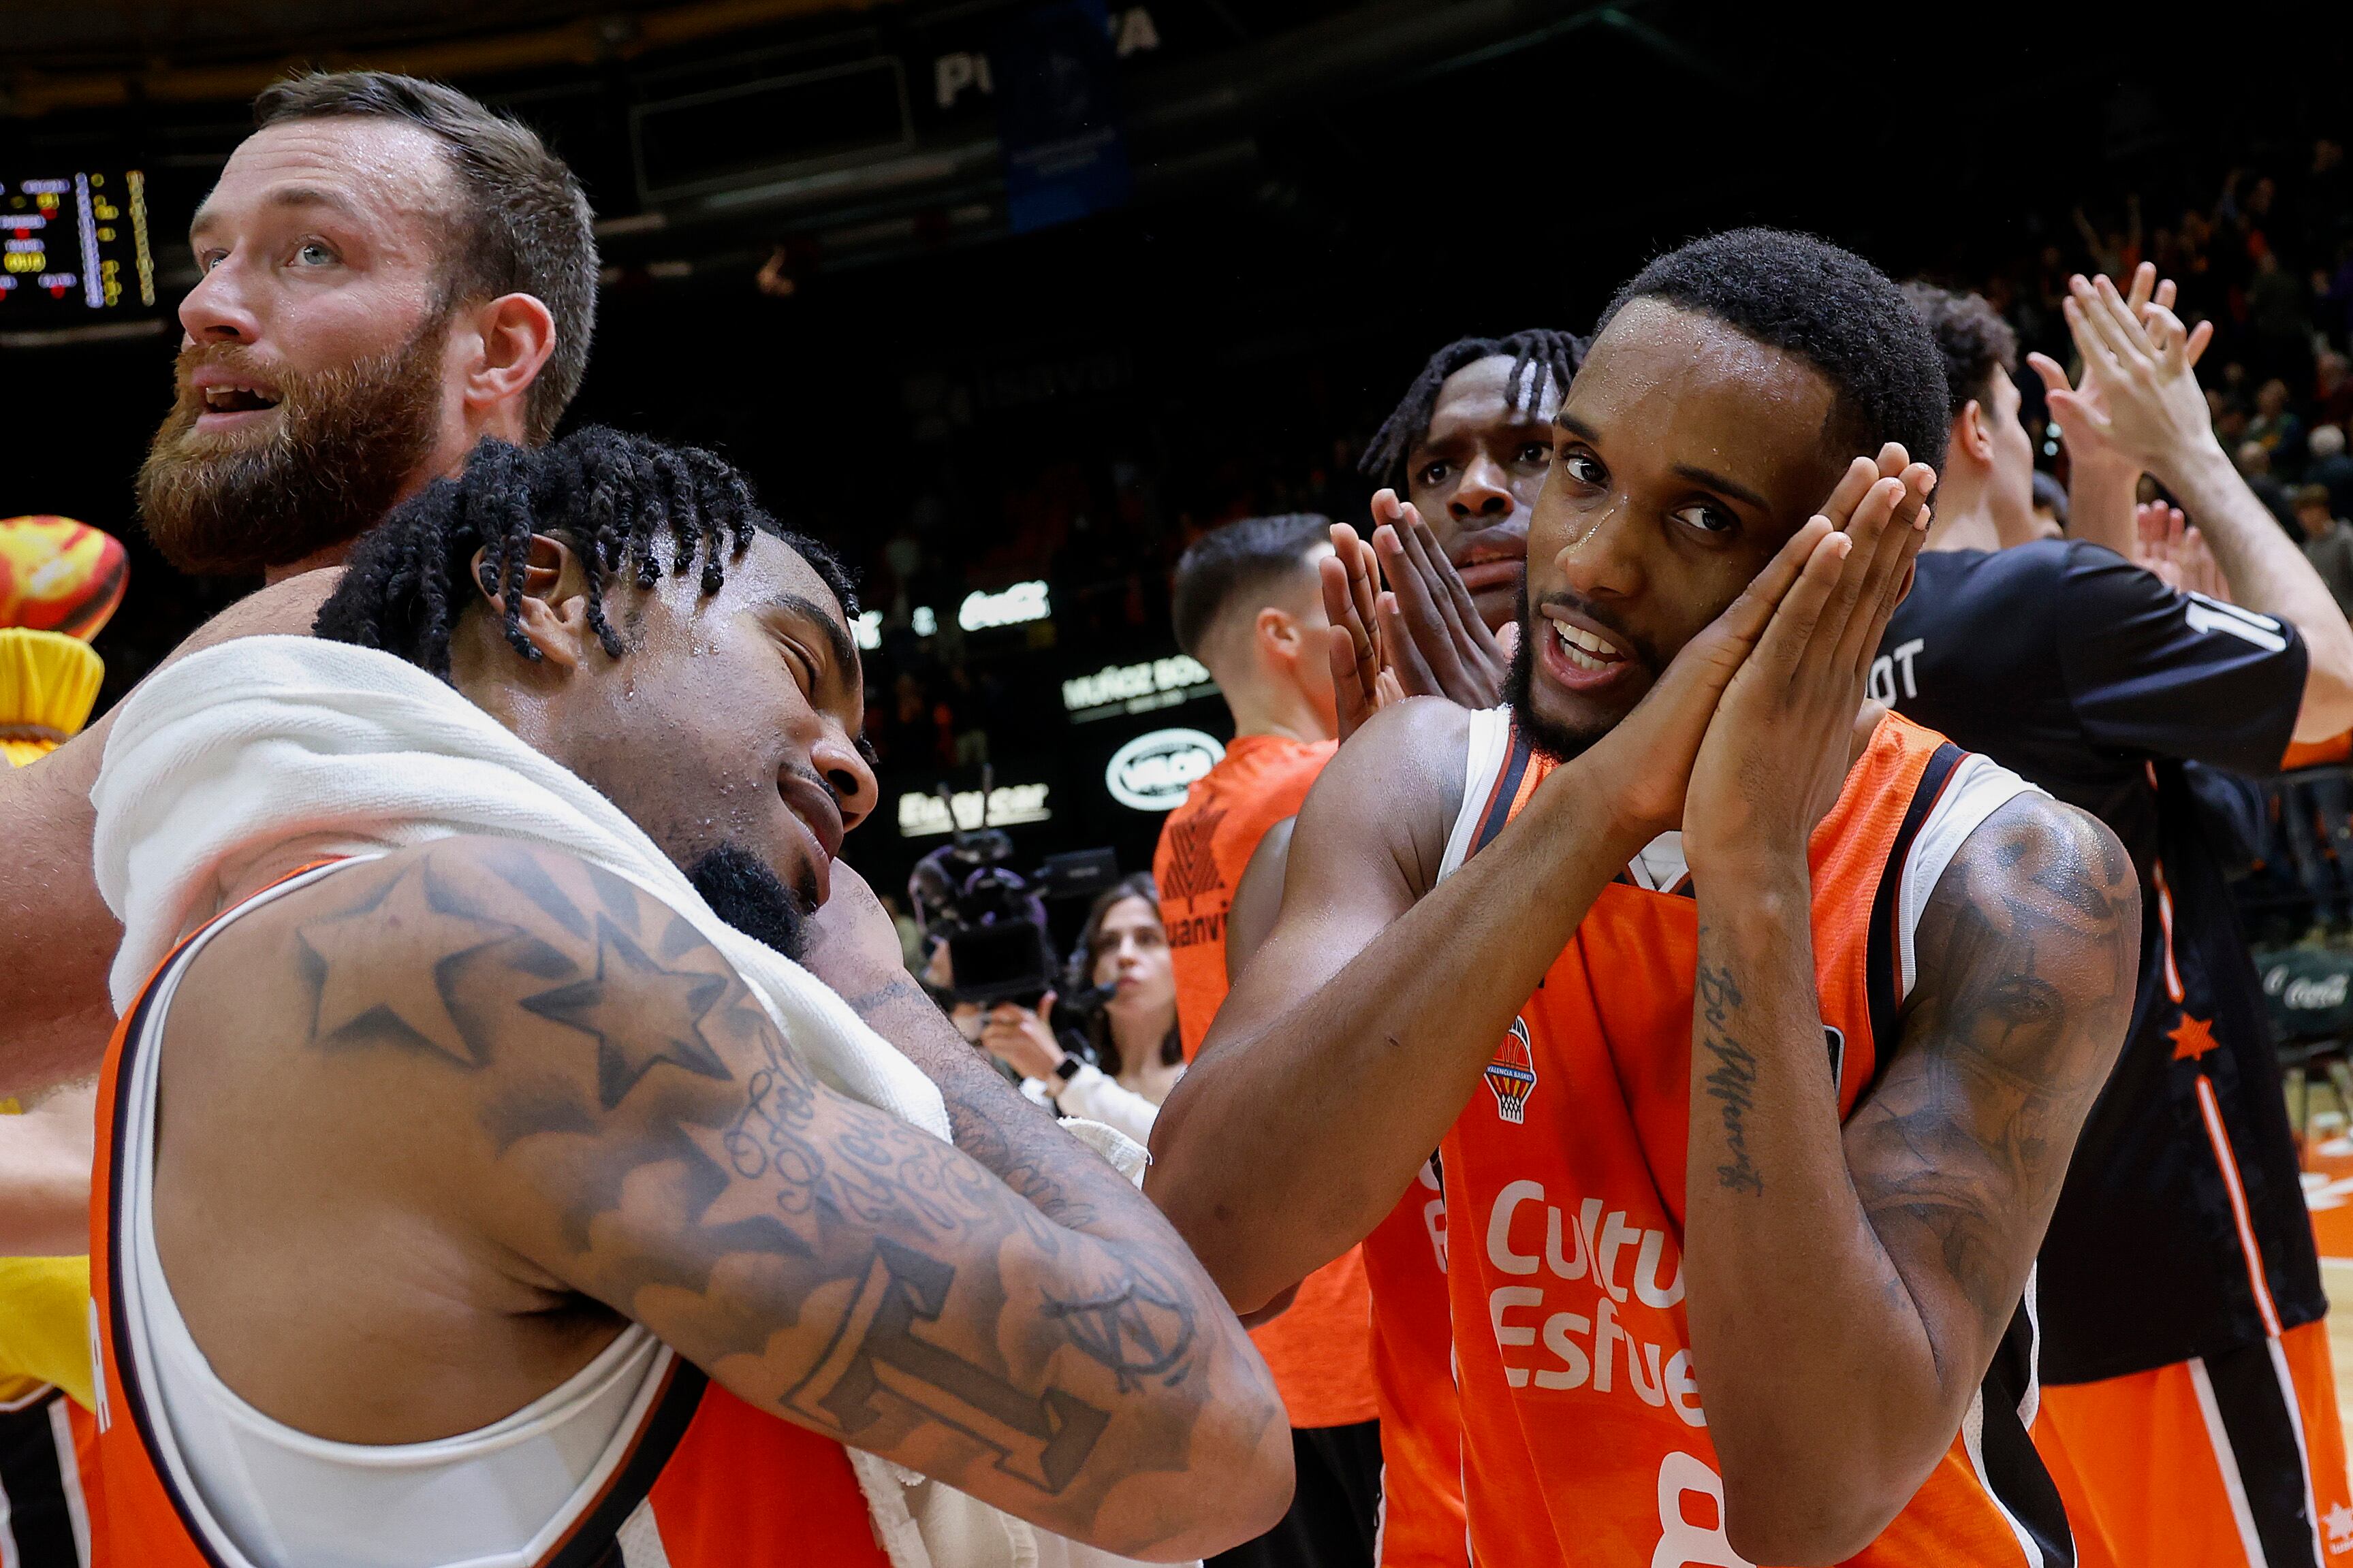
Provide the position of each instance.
(993, 918)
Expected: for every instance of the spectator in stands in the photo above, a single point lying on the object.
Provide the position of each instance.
(2327, 540)
(2332, 385)
(2255, 465)
(2276, 429)
(2328, 467)
(2049, 506)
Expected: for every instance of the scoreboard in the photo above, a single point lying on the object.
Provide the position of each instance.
(74, 248)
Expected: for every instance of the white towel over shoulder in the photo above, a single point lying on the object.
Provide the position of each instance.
(267, 750)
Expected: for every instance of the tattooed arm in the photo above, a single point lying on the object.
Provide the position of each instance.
(853, 949)
(1847, 1290)
(647, 1138)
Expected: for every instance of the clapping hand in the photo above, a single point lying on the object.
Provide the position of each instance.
(2139, 402)
(2177, 551)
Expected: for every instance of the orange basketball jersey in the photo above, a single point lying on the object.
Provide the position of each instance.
(1321, 1350)
(1584, 1428)
(1413, 1373)
(707, 1481)
(1205, 847)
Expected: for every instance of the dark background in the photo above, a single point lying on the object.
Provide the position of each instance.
(1322, 194)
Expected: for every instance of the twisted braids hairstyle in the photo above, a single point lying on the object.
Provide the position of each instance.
(624, 504)
(1539, 356)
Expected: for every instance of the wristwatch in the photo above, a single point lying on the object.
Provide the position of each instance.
(1068, 1069)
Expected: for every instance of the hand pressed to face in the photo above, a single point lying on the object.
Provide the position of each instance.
(1363, 683)
(1779, 743)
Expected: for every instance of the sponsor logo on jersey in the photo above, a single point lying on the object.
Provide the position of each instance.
(1512, 1074)
(1589, 1299)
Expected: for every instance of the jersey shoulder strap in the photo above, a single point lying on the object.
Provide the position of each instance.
(1501, 771)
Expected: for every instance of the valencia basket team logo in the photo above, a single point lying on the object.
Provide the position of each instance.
(1512, 1074)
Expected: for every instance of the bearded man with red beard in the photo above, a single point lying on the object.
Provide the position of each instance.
(391, 274)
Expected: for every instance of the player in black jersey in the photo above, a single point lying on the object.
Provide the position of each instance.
(2188, 1412)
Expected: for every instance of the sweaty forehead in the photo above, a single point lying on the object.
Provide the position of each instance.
(386, 173)
(1676, 387)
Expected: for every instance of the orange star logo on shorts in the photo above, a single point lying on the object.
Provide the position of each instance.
(2191, 1038)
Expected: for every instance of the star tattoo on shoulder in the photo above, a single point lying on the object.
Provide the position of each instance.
(355, 960)
(641, 1014)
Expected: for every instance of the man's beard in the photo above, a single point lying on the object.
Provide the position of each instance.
(1559, 742)
(746, 892)
(346, 441)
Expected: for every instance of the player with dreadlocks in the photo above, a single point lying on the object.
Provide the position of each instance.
(616, 498)
(476, 1136)
(1463, 455)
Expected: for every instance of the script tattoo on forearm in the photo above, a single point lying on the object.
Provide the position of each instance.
(706, 1183)
(1732, 1080)
(1018, 1141)
(2029, 951)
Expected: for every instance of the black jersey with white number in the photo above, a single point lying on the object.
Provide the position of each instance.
(2182, 1230)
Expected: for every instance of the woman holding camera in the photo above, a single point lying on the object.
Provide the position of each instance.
(1131, 1035)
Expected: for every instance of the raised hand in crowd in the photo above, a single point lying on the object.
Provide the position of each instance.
(2169, 546)
(2101, 476)
(2151, 409)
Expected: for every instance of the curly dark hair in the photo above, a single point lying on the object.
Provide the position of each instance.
(1828, 307)
(1539, 355)
(1970, 334)
(623, 502)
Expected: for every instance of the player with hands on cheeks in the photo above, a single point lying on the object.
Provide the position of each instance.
(1741, 1196)
(1792, 715)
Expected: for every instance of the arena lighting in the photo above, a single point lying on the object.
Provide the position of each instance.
(1022, 602)
(923, 816)
(923, 622)
(868, 630)
(1136, 688)
(1153, 772)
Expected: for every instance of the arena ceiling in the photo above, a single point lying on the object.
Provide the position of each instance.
(91, 55)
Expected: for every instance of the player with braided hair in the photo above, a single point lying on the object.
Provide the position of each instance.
(660, 1278)
(1463, 455)
(616, 498)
